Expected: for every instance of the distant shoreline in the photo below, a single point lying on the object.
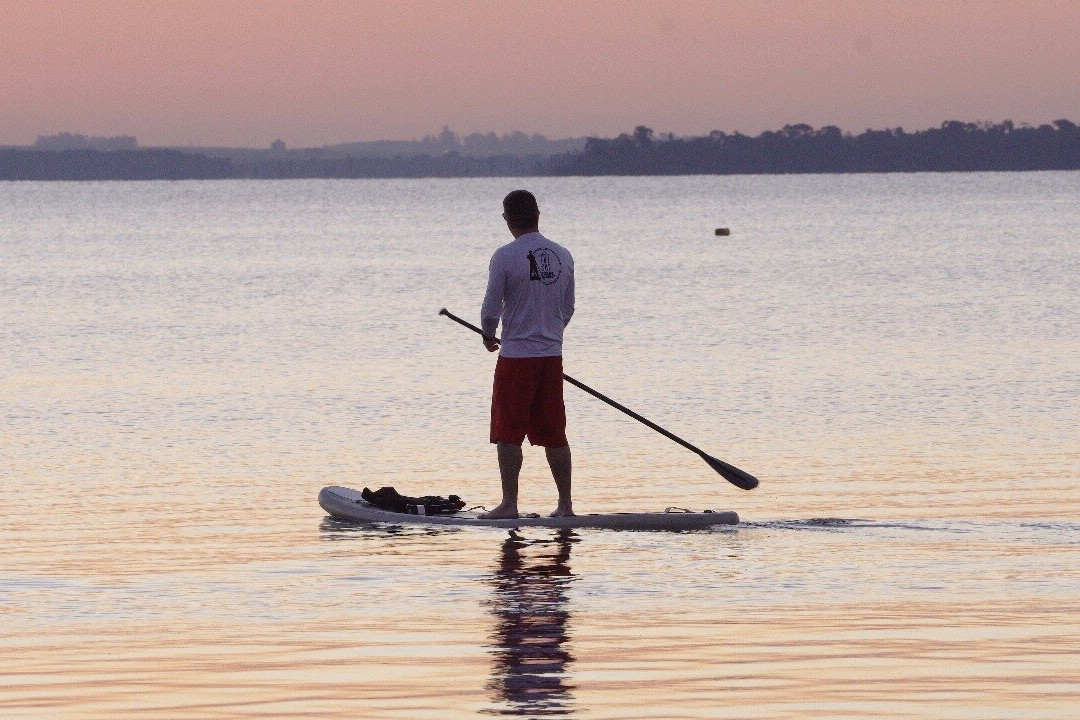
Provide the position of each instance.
(795, 149)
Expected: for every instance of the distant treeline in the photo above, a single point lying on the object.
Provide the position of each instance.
(151, 164)
(955, 146)
(448, 142)
(70, 141)
(20, 164)
(402, 166)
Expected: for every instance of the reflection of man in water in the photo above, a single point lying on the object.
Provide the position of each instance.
(530, 606)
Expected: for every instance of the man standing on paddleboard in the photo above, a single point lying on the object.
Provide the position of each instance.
(531, 290)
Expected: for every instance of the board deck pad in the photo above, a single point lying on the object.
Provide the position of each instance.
(347, 504)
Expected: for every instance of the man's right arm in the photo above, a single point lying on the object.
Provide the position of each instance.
(568, 296)
(492, 308)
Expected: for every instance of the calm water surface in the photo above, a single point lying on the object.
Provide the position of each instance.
(184, 365)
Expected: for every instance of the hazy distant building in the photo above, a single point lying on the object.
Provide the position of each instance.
(278, 147)
(482, 145)
(69, 141)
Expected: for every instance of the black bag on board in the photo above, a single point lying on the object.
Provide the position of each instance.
(387, 498)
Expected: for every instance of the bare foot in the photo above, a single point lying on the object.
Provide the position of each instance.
(563, 512)
(500, 513)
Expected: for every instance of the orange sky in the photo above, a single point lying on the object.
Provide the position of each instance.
(316, 72)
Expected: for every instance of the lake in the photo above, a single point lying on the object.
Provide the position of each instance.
(183, 365)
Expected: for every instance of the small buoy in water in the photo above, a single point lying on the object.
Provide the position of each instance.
(723, 231)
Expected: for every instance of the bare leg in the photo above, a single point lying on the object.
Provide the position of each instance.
(559, 461)
(509, 469)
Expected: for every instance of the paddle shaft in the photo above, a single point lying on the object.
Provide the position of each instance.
(733, 474)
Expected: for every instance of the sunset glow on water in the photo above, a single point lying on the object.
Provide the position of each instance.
(185, 365)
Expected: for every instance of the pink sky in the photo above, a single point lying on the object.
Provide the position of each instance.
(314, 72)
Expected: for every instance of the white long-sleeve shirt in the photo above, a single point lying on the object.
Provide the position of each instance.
(531, 289)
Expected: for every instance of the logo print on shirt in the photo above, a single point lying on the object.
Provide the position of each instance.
(544, 266)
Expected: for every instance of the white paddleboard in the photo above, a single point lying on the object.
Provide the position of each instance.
(346, 504)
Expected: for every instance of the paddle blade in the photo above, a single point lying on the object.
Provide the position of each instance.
(735, 476)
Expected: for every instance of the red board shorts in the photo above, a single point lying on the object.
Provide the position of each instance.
(527, 401)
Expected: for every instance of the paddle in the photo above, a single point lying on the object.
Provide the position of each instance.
(735, 476)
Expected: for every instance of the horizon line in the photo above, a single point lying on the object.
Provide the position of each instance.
(501, 136)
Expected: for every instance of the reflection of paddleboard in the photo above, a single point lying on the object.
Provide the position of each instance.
(346, 504)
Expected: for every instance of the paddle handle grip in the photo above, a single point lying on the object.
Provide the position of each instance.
(466, 323)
